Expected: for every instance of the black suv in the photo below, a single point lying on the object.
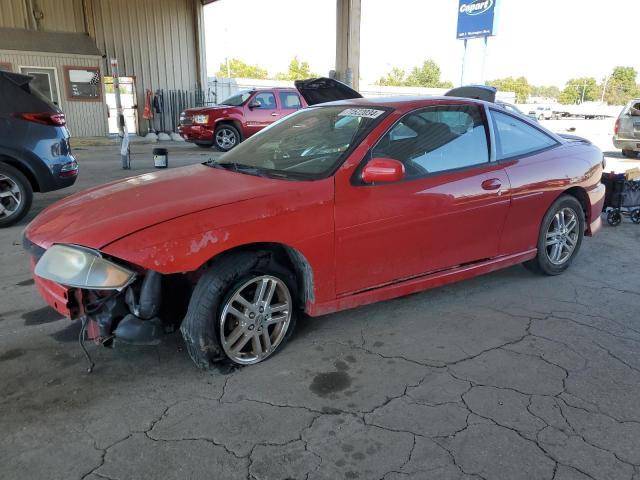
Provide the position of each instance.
(35, 155)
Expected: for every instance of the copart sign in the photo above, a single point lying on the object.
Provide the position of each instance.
(476, 18)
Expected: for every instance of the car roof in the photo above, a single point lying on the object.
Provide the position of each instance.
(406, 103)
(271, 89)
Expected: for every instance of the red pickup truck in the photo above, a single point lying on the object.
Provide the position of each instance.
(238, 117)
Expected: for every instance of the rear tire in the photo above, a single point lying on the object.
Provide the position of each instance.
(16, 195)
(215, 314)
(560, 237)
(629, 154)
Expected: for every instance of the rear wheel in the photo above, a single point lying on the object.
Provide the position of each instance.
(629, 153)
(15, 195)
(242, 311)
(226, 137)
(635, 215)
(560, 237)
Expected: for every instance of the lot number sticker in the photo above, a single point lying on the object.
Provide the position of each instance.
(361, 112)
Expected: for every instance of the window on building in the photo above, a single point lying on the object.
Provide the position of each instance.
(83, 83)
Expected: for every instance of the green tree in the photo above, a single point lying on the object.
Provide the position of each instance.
(520, 86)
(621, 86)
(394, 78)
(239, 69)
(297, 71)
(578, 90)
(425, 75)
(545, 91)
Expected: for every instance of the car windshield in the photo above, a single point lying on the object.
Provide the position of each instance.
(308, 144)
(237, 99)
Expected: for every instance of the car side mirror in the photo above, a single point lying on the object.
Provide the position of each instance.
(382, 170)
(254, 104)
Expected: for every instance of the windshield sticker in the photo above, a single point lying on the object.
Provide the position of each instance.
(361, 112)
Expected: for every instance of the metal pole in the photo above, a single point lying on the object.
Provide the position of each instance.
(125, 153)
(116, 85)
(484, 59)
(464, 61)
(604, 87)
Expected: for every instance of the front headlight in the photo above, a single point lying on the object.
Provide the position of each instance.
(82, 268)
(201, 119)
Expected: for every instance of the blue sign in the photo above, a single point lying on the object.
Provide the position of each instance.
(476, 18)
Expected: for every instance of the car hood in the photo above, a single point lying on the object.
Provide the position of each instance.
(204, 110)
(99, 216)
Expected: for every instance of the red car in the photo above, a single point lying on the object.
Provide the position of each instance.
(338, 205)
(238, 117)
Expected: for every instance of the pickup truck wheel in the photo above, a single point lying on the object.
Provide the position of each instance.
(15, 195)
(560, 237)
(629, 153)
(226, 137)
(241, 311)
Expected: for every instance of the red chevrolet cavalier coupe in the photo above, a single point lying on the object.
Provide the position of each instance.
(338, 205)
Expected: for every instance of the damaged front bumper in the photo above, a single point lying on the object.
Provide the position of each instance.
(130, 315)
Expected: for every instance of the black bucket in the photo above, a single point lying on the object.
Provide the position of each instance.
(160, 158)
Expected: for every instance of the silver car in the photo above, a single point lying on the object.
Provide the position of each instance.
(626, 134)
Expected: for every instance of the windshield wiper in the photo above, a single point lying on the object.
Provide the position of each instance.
(238, 167)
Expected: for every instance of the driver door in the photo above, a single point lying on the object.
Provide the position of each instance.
(263, 114)
(449, 210)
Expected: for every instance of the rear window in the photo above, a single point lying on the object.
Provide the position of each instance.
(633, 109)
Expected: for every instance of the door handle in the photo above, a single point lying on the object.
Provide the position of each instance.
(274, 114)
(491, 184)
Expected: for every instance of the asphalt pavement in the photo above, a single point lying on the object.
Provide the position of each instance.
(506, 376)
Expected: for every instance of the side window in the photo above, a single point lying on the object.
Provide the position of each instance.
(514, 137)
(290, 101)
(437, 139)
(267, 101)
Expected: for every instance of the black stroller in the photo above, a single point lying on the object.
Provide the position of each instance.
(622, 197)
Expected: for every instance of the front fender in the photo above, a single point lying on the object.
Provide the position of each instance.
(301, 221)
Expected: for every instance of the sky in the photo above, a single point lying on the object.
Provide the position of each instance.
(547, 41)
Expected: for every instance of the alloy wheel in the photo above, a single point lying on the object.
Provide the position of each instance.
(10, 196)
(226, 138)
(562, 236)
(255, 319)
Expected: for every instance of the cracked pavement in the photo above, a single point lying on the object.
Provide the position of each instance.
(506, 376)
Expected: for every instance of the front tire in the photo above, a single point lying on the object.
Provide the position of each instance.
(242, 311)
(226, 137)
(16, 195)
(560, 237)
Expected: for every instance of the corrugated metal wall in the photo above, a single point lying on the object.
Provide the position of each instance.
(84, 119)
(156, 41)
(14, 14)
(50, 15)
(153, 40)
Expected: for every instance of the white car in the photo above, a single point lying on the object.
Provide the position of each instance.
(542, 113)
